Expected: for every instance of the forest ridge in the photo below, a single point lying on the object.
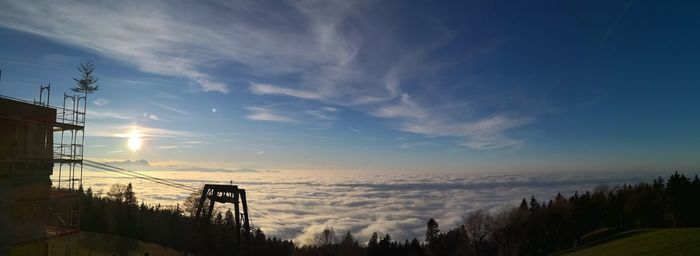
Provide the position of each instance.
(533, 228)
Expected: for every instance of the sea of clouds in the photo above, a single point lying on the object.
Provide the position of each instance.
(299, 205)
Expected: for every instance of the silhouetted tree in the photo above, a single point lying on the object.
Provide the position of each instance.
(87, 83)
(229, 221)
(385, 242)
(415, 248)
(219, 219)
(117, 192)
(326, 237)
(432, 231)
(129, 195)
(478, 226)
(349, 246)
(373, 244)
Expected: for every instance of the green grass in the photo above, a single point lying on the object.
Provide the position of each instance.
(685, 241)
(96, 244)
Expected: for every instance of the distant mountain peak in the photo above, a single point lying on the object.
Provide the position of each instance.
(205, 169)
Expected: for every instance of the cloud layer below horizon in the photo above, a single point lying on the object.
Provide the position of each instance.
(297, 206)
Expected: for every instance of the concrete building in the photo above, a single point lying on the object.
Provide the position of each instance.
(34, 218)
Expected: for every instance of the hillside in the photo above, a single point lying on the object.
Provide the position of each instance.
(685, 241)
(103, 244)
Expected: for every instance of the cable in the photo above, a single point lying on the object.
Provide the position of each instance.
(138, 175)
(173, 185)
(276, 221)
(134, 174)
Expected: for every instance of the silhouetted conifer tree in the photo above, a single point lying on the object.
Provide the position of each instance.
(87, 83)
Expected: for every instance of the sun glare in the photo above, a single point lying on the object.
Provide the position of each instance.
(134, 142)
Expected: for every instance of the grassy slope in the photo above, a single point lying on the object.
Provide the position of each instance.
(96, 244)
(684, 241)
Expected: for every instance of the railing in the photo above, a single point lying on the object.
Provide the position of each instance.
(68, 151)
(64, 210)
(70, 112)
(63, 115)
(67, 116)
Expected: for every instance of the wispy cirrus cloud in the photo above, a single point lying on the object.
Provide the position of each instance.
(275, 90)
(128, 130)
(169, 147)
(101, 102)
(418, 144)
(272, 38)
(154, 117)
(115, 116)
(334, 52)
(194, 142)
(482, 134)
(110, 29)
(268, 114)
(404, 108)
(323, 113)
(108, 115)
(172, 109)
(310, 40)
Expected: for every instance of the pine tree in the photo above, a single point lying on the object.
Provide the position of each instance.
(349, 246)
(88, 192)
(219, 219)
(534, 205)
(348, 239)
(130, 196)
(327, 237)
(431, 234)
(415, 248)
(523, 206)
(229, 221)
(87, 83)
(373, 244)
(385, 242)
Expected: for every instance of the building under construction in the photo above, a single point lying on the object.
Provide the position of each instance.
(41, 166)
(38, 215)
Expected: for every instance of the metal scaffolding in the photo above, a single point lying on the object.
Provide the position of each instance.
(68, 152)
(64, 209)
(63, 224)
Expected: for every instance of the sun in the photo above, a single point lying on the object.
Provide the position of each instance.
(134, 142)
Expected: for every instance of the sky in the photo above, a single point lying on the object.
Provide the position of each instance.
(379, 86)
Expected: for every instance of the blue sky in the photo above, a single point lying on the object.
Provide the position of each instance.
(460, 86)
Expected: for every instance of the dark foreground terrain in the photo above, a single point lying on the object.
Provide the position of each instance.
(683, 241)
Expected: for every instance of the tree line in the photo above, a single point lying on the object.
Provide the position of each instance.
(533, 227)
